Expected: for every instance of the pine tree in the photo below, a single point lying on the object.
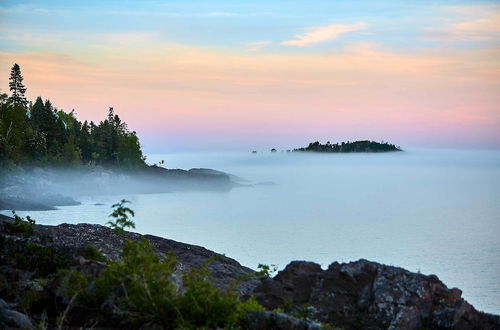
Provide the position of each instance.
(16, 86)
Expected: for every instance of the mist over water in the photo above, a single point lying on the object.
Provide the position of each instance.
(433, 211)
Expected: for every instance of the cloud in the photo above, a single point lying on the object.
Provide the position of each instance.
(322, 33)
(257, 45)
(484, 25)
(218, 14)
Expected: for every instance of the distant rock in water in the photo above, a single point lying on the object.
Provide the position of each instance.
(208, 171)
(266, 183)
(357, 146)
(22, 198)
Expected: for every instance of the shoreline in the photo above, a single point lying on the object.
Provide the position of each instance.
(383, 295)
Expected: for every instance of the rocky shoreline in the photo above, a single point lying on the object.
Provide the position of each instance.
(361, 294)
(41, 188)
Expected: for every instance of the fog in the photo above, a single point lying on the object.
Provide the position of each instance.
(45, 188)
(434, 211)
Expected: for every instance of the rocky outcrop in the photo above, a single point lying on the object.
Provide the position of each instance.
(355, 295)
(72, 241)
(11, 318)
(38, 188)
(370, 295)
(23, 199)
(31, 283)
(278, 321)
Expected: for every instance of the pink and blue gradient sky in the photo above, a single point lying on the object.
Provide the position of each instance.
(230, 75)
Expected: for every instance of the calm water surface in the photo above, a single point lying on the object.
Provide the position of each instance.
(433, 211)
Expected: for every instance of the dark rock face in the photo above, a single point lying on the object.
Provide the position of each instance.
(29, 273)
(369, 295)
(72, 240)
(12, 318)
(278, 321)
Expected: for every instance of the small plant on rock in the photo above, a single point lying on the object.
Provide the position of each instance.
(266, 270)
(121, 215)
(22, 226)
(92, 253)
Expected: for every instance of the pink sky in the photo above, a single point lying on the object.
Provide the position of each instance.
(180, 96)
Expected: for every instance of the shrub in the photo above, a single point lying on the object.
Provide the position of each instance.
(121, 215)
(266, 270)
(146, 292)
(42, 260)
(21, 226)
(91, 253)
(205, 305)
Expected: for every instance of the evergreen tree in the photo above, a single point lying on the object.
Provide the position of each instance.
(16, 86)
(37, 114)
(42, 134)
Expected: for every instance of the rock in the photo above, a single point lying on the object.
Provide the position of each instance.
(22, 204)
(366, 294)
(71, 240)
(29, 271)
(266, 183)
(24, 198)
(278, 321)
(40, 188)
(11, 319)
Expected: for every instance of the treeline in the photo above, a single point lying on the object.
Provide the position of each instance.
(357, 146)
(38, 133)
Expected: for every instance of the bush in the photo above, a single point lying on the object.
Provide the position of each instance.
(21, 226)
(121, 215)
(91, 253)
(143, 283)
(204, 305)
(148, 296)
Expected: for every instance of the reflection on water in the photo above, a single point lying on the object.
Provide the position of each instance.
(434, 211)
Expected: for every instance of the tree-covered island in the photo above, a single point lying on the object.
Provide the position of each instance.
(345, 147)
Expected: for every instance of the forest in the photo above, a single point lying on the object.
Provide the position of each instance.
(38, 133)
(357, 146)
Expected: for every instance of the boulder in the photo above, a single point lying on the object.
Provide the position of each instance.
(365, 294)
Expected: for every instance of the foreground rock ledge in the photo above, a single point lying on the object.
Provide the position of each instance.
(356, 295)
(369, 295)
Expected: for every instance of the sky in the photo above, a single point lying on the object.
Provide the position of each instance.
(252, 75)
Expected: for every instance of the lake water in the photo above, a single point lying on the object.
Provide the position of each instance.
(433, 211)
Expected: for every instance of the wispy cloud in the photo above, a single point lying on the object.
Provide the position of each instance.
(159, 13)
(257, 45)
(482, 24)
(317, 34)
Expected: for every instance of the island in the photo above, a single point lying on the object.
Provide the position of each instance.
(345, 147)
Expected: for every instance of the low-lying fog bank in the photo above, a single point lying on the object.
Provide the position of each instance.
(45, 188)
